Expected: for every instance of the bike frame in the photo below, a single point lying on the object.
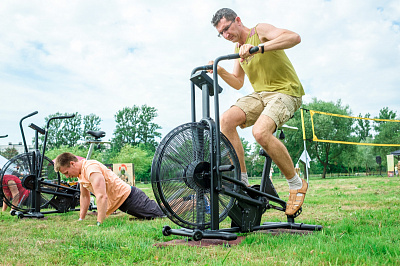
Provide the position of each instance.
(253, 207)
(36, 166)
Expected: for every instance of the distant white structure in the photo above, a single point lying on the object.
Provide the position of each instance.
(19, 147)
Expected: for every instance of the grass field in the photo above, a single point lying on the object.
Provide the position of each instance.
(360, 216)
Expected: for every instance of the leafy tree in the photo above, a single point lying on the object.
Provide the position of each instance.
(72, 130)
(256, 164)
(68, 132)
(247, 150)
(363, 127)
(140, 158)
(77, 150)
(329, 128)
(349, 157)
(384, 113)
(366, 156)
(8, 153)
(91, 122)
(135, 126)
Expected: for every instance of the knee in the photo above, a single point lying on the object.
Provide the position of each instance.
(227, 123)
(261, 135)
(232, 118)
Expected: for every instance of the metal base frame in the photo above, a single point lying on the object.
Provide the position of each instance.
(229, 234)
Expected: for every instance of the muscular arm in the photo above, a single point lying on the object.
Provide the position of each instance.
(272, 38)
(234, 79)
(99, 186)
(84, 201)
(276, 39)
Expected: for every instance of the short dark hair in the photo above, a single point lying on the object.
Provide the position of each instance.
(226, 13)
(63, 160)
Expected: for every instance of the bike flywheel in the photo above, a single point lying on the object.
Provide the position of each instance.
(181, 175)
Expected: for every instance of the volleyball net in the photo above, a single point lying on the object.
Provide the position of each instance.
(319, 120)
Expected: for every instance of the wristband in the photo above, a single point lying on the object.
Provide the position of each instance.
(262, 48)
(98, 223)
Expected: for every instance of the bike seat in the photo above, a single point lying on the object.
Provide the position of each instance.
(96, 134)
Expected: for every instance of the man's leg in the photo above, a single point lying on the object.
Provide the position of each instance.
(263, 131)
(230, 120)
(141, 206)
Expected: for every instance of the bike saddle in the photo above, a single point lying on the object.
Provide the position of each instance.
(96, 134)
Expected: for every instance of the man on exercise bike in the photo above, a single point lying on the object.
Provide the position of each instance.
(111, 192)
(277, 93)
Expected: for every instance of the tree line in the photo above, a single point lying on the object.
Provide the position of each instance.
(136, 137)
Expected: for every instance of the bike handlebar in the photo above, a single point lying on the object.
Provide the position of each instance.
(46, 132)
(63, 117)
(225, 57)
(59, 117)
(31, 114)
(22, 130)
(235, 56)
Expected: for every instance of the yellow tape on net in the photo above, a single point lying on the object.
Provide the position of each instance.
(315, 138)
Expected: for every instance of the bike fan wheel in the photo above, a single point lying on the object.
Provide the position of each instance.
(17, 182)
(181, 175)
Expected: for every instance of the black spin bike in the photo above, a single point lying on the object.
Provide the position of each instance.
(29, 183)
(195, 175)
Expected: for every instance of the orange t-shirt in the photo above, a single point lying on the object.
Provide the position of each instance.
(117, 190)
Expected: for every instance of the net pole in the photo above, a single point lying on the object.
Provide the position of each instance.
(304, 141)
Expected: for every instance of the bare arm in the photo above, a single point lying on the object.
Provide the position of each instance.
(234, 79)
(272, 38)
(4, 206)
(14, 192)
(276, 39)
(99, 187)
(84, 201)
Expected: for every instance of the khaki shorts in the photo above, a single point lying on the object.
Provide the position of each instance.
(278, 106)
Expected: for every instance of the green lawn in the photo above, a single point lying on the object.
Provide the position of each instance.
(360, 216)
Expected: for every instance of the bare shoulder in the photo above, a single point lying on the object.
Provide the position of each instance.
(268, 32)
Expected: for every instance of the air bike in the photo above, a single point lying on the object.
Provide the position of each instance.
(29, 183)
(195, 176)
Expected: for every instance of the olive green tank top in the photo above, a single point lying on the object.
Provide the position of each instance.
(270, 71)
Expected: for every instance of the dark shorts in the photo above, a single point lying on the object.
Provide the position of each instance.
(141, 206)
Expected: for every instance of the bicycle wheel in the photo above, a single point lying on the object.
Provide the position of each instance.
(17, 181)
(181, 173)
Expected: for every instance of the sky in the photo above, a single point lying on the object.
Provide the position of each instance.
(97, 57)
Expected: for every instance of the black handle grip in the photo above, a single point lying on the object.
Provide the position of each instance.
(200, 68)
(31, 114)
(235, 56)
(63, 117)
(254, 49)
